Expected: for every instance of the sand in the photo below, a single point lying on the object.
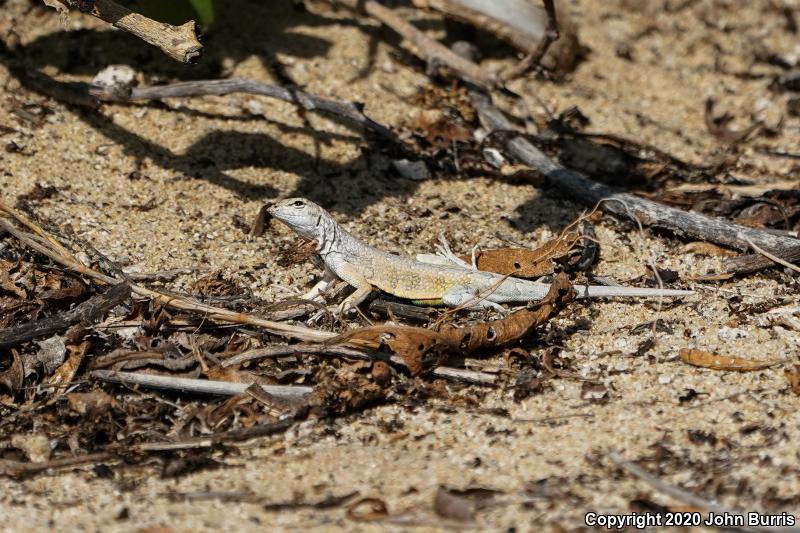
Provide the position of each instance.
(202, 161)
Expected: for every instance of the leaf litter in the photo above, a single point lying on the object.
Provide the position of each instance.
(87, 355)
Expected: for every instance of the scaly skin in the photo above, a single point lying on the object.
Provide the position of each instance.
(367, 268)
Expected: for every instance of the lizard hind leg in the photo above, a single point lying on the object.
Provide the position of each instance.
(467, 296)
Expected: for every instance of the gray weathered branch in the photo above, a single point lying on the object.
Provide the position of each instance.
(348, 110)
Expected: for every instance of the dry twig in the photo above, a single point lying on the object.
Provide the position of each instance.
(549, 37)
(581, 189)
(687, 497)
(50, 247)
(348, 110)
(203, 386)
(432, 51)
(86, 313)
(178, 42)
(771, 256)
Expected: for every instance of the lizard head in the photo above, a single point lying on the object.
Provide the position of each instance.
(306, 218)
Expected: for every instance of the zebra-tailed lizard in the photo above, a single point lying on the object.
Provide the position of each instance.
(367, 268)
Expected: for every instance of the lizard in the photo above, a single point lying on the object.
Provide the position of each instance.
(367, 268)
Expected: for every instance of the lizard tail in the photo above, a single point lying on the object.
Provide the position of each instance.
(606, 291)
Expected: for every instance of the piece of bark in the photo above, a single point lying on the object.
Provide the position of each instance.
(746, 264)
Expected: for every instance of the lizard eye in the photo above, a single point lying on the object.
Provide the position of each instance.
(298, 203)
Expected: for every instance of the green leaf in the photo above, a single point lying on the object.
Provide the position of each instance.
(204, 10)
(179, 11)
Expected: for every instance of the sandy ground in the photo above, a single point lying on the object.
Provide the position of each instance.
(203, 161)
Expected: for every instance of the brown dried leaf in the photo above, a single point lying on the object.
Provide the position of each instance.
(421, 349)
(299, 252)
(7, 284)
(367, 510)
(510, 329)
(793, 375)
(237, 376)
(91, 404)
(524, 263)
(72, 290)
(437, 127)
(216, 285)
(707, 248)
(13, 376)
(452, 506)
(66, 372)
(706, 359)
(262, 220)
(341, 391)
(36, 446)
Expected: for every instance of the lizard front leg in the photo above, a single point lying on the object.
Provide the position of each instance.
(362, 285)
(321, 286)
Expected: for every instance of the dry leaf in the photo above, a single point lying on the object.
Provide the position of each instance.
(36, 447)
(13, 376)
(50, 354)
(66, 372)
(722, 362)
(301, 250)
(524, 263)
(7, 284)
(706, 248)
(436, 126)
(422, 349)
(793, 375)
(367, 509)
(91, 404)
(452, 506)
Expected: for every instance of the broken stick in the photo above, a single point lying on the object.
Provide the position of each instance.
(430, 50)
(625, 205)
(348, 110)
(178, 42)
(203, 386)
